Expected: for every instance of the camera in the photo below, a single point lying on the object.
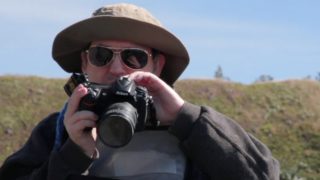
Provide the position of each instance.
(123, 108)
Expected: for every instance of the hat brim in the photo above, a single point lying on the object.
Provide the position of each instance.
(69, 43)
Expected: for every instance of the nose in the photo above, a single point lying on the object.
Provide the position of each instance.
(116, 67)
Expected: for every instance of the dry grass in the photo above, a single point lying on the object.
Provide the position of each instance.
(284, 115)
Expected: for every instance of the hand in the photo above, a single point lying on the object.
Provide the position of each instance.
(77, 122)
(166, 101)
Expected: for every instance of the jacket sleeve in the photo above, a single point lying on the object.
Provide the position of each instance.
(220, 148)
(36, 160)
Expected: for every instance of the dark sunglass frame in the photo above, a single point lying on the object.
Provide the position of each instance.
(107, 55)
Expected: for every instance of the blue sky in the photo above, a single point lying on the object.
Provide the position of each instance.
(246, 38)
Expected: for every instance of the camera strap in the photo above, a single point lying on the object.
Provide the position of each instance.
(60, 128)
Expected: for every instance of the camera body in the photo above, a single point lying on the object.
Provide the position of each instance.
(122, 107)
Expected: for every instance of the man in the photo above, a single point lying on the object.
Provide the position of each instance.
(200, 143)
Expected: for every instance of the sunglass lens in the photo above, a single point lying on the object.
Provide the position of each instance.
(134, 58)
(100, 56)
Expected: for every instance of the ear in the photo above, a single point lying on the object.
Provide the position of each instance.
(159, 62)
(84, 61)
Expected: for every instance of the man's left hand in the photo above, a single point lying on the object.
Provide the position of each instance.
(166, 101)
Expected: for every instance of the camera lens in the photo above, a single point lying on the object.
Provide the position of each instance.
(116, 126)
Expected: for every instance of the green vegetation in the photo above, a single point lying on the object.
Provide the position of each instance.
(24, 101)
(284, 115)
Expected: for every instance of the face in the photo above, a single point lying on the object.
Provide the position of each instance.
(127, 58)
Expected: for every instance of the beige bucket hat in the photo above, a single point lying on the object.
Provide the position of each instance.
(120, 22)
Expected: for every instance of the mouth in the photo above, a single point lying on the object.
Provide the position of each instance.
(107, 80)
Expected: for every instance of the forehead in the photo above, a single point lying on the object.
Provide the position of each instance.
(119, 44)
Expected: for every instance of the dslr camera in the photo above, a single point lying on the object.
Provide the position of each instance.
(122, 107)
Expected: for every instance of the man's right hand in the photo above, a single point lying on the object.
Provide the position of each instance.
(77, 122)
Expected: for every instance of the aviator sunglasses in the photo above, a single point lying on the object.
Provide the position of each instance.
(133, 58)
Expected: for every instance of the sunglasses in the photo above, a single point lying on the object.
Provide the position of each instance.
(133, 58)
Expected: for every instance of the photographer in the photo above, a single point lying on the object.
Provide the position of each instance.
(192, 142)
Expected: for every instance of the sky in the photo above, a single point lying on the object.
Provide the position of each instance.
(246, 38)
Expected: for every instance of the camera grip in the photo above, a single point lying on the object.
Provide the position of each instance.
(88, 102)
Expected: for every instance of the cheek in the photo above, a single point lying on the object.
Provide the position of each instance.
(153, 68)
(149, 67)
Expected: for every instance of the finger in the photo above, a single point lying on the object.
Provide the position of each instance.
(74, 100)
(148, 80)
(94, 133)
(79, 127)
(80, 115)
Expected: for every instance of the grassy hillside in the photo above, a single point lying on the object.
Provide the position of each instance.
(284, 115)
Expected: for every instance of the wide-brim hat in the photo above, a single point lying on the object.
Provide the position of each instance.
(120, 22)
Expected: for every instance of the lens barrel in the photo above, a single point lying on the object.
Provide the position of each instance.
(116, 126)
